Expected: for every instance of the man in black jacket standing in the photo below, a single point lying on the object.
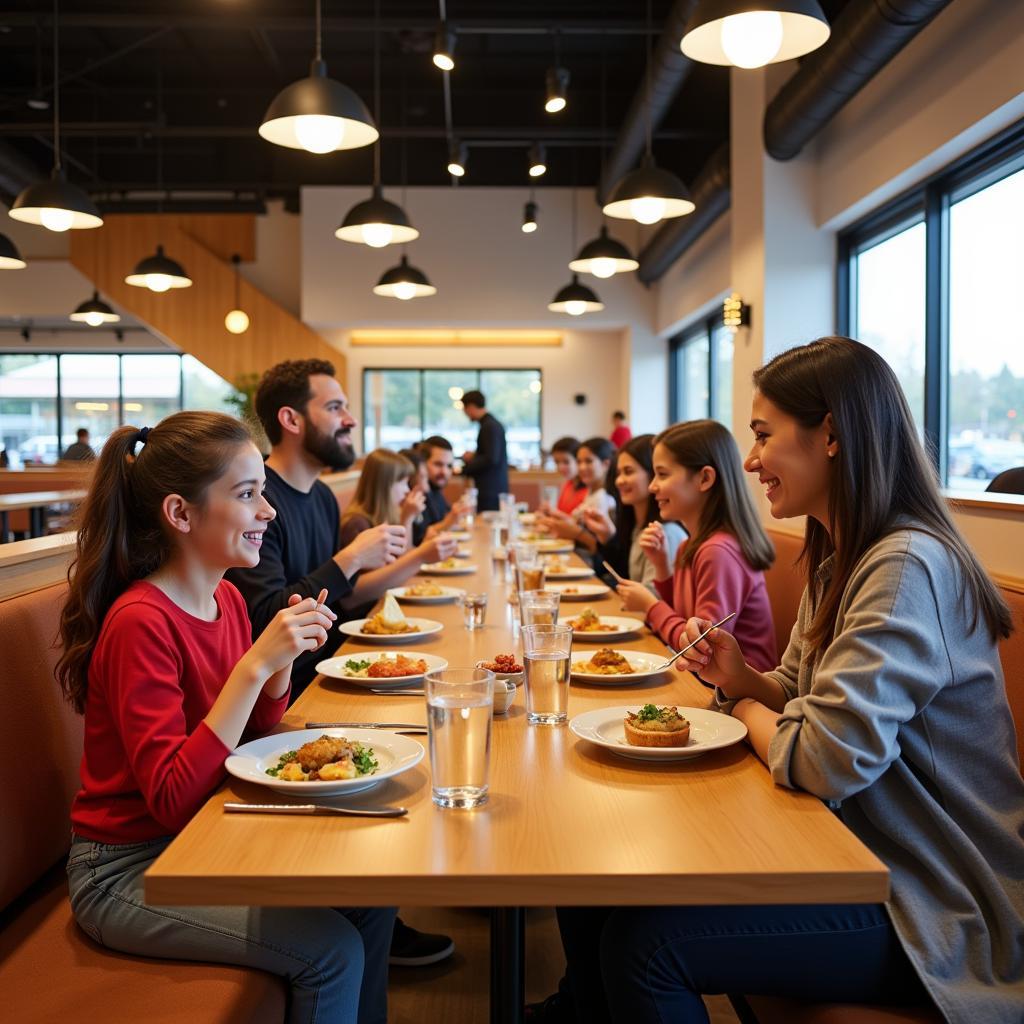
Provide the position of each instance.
(488, 465)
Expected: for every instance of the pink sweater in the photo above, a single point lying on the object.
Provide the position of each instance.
(718, 581)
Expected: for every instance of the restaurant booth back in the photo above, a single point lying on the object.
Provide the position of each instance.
(49, 969)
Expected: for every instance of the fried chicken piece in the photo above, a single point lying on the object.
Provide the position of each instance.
(387, 668)
(607, 657)
(313, 756)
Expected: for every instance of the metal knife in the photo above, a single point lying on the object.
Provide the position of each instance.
(317, 809)
(397, 693)
(393, 726)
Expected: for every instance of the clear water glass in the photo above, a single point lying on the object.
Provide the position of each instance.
(474, 610)
(549, 495)
(521, 555)
(459, 707)
(547, 653)
(470, 495)
(530, 577)
(538, 607)
(507, 504)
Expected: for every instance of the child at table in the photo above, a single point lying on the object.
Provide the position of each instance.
(574, 490)
(889, 704)
(158, 656)
(698, 481)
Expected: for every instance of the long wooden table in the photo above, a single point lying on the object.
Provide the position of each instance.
(35, 503)
(567, 823)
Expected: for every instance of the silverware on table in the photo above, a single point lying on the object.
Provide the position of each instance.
(722, 622)
(393, 726)
(316, 809)
(399, 693)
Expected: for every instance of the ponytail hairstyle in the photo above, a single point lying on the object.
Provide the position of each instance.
(699, 443)
(382, 469)
(603, 449)
(881, 474)
(120, 533)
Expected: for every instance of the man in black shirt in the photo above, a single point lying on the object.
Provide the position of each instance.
(437, 514)
(488, 465)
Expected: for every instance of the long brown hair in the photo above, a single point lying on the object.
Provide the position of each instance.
(382, 469)
(699, 443)
(120, 538)
(880, 474)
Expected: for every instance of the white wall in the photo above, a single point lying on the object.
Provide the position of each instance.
(277, 269)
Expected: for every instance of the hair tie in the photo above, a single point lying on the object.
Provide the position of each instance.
(141, 436)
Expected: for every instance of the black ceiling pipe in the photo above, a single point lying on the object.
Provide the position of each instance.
(669, 69)
(866, 35)
(712, 193)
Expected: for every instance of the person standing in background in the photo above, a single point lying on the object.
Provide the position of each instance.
(620, 429)
(81, 450)
(488, 465)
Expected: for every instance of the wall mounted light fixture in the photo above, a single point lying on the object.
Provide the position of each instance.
(735, 313)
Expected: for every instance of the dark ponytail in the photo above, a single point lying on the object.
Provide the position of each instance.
(120, 537)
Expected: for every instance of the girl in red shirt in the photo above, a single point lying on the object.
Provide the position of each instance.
(698, 481)
(574, 490)
(157, 656)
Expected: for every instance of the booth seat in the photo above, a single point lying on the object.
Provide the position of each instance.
(49, 969)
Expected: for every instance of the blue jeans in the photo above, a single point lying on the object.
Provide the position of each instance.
(335, 961)
(650, 965)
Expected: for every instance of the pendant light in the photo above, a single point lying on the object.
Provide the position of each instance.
(95, 312)
(556, 81)
(10, 258)
(537, 160)
(604, 257)
(575, 298)
(376, 221)
(56, 204)
(237, 320)
(530, 217)
(444, 45)
(650, 193)
(317, 113)
(404, 282)
(458, 153)
(750, 35)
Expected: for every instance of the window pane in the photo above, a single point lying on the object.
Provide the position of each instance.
(89, 397)
(28, 409)
(442, 406)
(513, 396)
(724, 343)
(986, 337)
(692, 377)
(890, 308)
(391, 409)
(151, 388)
(204, 389)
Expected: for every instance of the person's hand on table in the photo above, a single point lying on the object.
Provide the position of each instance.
(438, 547)
(635, 597)
(599, 523)
(655, 546)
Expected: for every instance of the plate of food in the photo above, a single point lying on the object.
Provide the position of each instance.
(390, 624)
(552, 545)
(578, 591)
(427, 592)
(390, 668)
(459, 534)
(588, 625)
(615, 668)
(449, 567)
(652, 733)
(324, 762)
(560, 568)
(527, 518)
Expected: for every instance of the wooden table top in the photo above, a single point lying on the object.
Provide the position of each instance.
(566, 823)
(34, 499)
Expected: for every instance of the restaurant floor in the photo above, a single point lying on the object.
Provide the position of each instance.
(455, 991)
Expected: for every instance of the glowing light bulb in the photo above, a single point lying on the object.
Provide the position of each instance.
(237, 321)
(158, 282)
(536, 170)
(319, 133)
(555, 104)
(575, 307)
(753, 39)
(55, 219)
(378, 235)
(443, 61)
(529, 226)
(535, 386)
(94, 319)
(647, 209)
(457, 169)
(404, 290)
(603, 267)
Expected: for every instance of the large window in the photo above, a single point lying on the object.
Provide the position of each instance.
(930, 282)
(401, 407)
(700, 372)
(46, 397)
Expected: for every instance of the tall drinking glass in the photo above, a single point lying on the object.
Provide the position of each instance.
(522, 554)
(507, 503)
(538, 607)
(549, 494)
(459, 706)
(469, 497)
(546, 655)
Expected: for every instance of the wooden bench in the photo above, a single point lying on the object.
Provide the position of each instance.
(49, 969)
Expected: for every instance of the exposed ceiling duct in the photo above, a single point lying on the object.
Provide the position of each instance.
(16, 172)
(711, 193)
(865, 37)
(669, 69)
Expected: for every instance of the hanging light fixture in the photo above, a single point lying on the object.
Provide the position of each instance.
(603, 257)
(95, 312)
(650, 193)
(404, 282)
(575, 298)
(317, 113)
(557, 88)
(537, 160)
(158, 273)
(237, 320)
(458, 153)
(750, 35)
(444, 48)
(56, 203)
(530, 218)
(10, 258)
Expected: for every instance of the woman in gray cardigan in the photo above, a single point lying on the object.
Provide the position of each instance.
(889, 704)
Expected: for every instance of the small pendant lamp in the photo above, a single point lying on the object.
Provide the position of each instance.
(603, 257)
(575, 299)
(10, 258)
(95, 312)
(404, 282)
(237, 320)
(158, 273)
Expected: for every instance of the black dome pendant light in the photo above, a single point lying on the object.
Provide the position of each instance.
(95, 312)
(404, 282)
(575, 298)
(10, 258)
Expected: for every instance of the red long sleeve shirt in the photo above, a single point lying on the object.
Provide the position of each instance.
(719, 580)
(149, 760)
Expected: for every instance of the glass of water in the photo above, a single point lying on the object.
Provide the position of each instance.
(507, 504)
(459, 707)
(549, 495)
(470, 496)
(474, 610)
(546, 655)
(522, 554)
(538, 607)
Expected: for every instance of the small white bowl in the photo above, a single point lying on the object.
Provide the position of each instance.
(505, 684)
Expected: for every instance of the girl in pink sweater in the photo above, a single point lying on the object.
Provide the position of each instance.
(698, 481)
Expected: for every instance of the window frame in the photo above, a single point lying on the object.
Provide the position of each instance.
(703, 329)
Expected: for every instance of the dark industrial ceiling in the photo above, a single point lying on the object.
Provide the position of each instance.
(220, 62)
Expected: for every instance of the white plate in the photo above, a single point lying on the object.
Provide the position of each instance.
(395, 754)
(623, 626)
(644, 665)
(335, 668)
(463, 553)
(490, 516)
(424, 627)
(709, 730)
(583, 591)
(440, 569)
(450, 594)
(572, 572)
(553, 545)
(527, 518)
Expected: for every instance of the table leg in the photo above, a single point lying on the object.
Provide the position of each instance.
(508, 964)
(5, 527)
(36, 521)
